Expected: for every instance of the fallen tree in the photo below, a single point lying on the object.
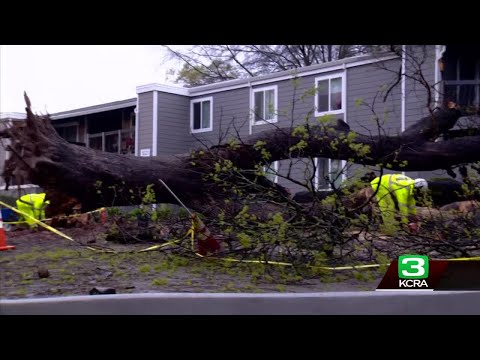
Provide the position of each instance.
(255, 217)
(40, 156)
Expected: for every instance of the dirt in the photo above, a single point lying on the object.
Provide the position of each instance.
(43, 264)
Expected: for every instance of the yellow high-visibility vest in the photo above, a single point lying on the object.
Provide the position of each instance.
(33, 205)
(401, 189)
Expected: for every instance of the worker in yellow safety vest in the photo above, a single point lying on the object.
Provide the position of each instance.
(33, 205)
(396, 196)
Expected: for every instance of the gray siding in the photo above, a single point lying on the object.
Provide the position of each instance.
(299, 169)
(173, 124)
(366, 88)
(417, 95)
(230, 115)
(367, 113)
(296, 103)
(145, 121)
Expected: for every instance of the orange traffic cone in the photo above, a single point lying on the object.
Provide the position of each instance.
(207, 243)
(3, 237)
(103, 216)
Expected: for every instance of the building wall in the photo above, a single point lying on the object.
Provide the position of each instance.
(173, 131)
(145, 121)
(374, 104)
(365, 111)
(419, 58)
(369, 112)
(417, 102)
(230, 116)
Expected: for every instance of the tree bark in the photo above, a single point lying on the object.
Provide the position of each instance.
(40, 156)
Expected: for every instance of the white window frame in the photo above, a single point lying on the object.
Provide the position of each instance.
(76, 124)
(200, 100)
(344, 94)
(275, 105)
(274, 167)
(317, 174)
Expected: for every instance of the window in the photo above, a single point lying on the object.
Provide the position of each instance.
(461, 75)
(330, 94)
(127, 141)
(111, 142)
(201, 115)
(95, 142)
(264, 103)
(271, 171)
(117, 141)
(328, 171)
(68, 131)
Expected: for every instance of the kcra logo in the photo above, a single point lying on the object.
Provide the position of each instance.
(413, 271)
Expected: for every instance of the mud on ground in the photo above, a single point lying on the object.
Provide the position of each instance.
(73, 269)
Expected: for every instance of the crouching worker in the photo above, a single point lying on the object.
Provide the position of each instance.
(33, 205)
(396, 198)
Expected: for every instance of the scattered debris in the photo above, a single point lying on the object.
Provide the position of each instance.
(43, 273)
(102, 291)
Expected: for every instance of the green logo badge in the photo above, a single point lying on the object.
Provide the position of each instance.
(413, 267)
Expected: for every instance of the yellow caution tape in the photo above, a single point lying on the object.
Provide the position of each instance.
(59, 217)
(48, 227)
(462, 259)
(155, 247)
(59, 233)
(258, 262)
(354, 267)
(36, 221)
(265, 262)
(191, 233)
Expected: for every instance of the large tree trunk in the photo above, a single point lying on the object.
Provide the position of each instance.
(40, 156)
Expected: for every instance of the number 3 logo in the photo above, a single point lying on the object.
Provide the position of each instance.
(418, 265)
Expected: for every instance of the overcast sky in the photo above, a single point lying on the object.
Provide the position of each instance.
(64, 77)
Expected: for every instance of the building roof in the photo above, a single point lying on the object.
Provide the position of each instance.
(12, 116)
(121, 104)
(277, 76)
(303, 71)
(95, 109)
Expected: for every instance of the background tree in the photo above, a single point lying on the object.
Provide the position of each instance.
(206, 64)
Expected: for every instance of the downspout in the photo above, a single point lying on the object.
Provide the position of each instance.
(403, 87)
(155, 130)
(439, 51)
(344, 102)
(250, 115)
(137, 120)
(155, 123)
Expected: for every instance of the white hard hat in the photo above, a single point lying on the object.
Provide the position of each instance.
(421, 184)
